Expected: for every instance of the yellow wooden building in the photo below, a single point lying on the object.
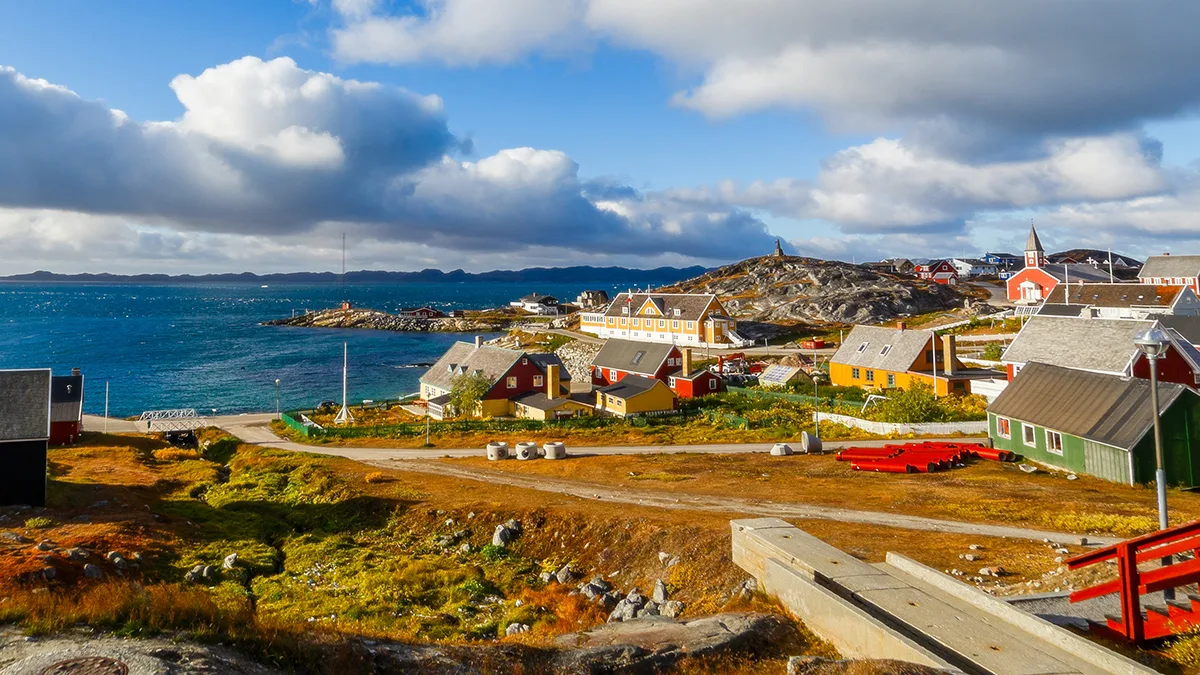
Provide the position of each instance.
(635, 395)
(684, 319)
(873, 357)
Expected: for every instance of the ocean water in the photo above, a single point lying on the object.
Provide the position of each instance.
(201, 346)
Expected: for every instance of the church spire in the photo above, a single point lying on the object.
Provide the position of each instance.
(778, 249)
(1035, 255)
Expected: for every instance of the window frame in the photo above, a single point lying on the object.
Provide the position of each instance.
(870, 375)
(1004, 427)
(511, 382)
(712, 384)
(1028, 435)
(539, 381)
(856, 373)
(1050, 446)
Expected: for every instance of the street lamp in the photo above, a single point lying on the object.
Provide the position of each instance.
(278, 416)
(1153, 344)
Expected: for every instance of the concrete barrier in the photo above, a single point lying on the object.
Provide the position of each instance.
(1107, 660)
(527, 450)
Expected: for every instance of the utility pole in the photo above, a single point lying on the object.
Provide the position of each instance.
(106, 406)
(344, 416)
(278, 412)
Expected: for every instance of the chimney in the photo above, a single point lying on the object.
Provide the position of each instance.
(552, 381)
(687, 362)
(949, 352)
(901, 325)
(75, 372)
(478, 341)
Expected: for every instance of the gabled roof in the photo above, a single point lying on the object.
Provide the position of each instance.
(1186, 326)
(1104, 345)
(691, 305)
(630, 386)
(1033, 243)
(1158, 266)
(540, 298)
(1076, 272)
(632, 356)
(24, 404)
(539, 400)
(66, 398)
(464, 358)
(1115, 295)
(543, 359)
(864, 348)
(1107, 409)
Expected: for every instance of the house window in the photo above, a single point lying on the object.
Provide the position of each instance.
(675, 325)
(678, 312)
(662, 323)
(612, 374)
(625, 310)
(524, 362)
(712, 383)
(612, 321)
(637, 323)
(691, 325)
(1027, 436)
(870, 376)
(537, 380)
(512, 382)
(1054, 442)
(1004, 427)
(624, 321)
(891, 380)
(855, 373)
(862, 347)
(671, 382)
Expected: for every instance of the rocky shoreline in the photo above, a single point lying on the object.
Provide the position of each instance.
(375, 320)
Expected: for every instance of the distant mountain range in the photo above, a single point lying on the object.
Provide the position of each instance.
(580, 274)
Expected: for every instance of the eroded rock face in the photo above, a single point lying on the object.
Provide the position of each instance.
(808, 289)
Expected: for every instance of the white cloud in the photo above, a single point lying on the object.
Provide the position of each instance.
(269, 149)
(457, 32)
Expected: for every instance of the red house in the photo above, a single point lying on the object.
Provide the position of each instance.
(669, 363)
(511, 375)
(66, 408)
(1038, 279)
(940, 271)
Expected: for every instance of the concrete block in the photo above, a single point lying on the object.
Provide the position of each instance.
(497, 451)
(527, 450)
(757, 540)
(850, 629)
(554, 450)
(781, 450)
(1105, 660)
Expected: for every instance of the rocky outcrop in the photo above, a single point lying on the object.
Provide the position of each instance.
(790, 289)
(376, 320)
(577, 357)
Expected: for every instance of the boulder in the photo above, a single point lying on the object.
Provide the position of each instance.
(516, 628)
(195, 575)
(564, 575)
(49, 573)
(93, 572)
(659, 594)
(76, 554)
(505, 533)
(230, 561)
(671, 608)
(15, 538)
(45, 546)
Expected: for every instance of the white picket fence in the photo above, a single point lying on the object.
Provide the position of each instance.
(885, 428)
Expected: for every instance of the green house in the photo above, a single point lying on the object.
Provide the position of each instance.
(1097, 424)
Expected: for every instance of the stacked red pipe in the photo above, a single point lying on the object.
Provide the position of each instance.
(922, 457)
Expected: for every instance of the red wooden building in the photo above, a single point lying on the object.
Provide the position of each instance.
(940, 271)
(66, 408)
(669, 363)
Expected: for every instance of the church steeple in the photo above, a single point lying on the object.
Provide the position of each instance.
(778, 249)
(1035, 255)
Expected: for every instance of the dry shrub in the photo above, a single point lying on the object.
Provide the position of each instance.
(175, 454)
(567, 613)
(377, 477)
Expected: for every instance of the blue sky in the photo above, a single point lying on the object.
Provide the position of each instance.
(853, 131)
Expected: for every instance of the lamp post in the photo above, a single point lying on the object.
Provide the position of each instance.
(278, 416)
(1153, 344)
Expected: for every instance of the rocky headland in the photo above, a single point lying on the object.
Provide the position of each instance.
(796, 289)
(376, 320)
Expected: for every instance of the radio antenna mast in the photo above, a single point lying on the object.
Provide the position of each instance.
(344, 416)
(343, 277)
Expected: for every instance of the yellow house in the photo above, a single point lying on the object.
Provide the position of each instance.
(635, 395)
(894, 358)
(684, 319)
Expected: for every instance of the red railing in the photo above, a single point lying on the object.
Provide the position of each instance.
(1131, 583)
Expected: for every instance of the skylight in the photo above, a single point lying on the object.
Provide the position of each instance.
(884, 351)
(862, 347)
(637, 358)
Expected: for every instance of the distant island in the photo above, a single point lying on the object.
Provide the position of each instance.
(577, 274)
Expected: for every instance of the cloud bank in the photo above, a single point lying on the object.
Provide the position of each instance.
(266, 148)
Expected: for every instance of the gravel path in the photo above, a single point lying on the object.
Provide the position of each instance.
(730, 505)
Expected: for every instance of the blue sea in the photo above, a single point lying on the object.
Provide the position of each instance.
(201, 346)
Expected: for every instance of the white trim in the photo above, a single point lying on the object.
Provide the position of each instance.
(1009, 421)
(1049, 449)
(1024, 440)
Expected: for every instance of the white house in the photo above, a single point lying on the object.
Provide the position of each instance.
(974, 267)
(538, 303)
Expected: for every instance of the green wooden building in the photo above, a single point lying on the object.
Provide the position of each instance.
(1097, 424)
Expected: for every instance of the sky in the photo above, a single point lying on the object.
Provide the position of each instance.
(227, 135)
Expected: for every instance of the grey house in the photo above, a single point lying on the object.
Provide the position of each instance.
(24, 435)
